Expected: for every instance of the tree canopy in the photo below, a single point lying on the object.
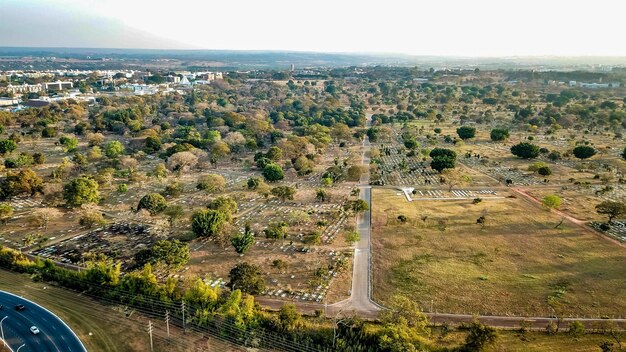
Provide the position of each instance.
(81, 190)
(525, 150)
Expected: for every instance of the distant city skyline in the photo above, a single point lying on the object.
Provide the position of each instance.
(480, 28)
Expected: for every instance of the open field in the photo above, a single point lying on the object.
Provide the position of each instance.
(518, 264)
(514, 341)
(103, 327)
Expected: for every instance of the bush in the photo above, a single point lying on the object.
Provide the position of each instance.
(81, 191)
(212, 183)
(153, 202)
(91, 219)
(525, 150)
(544, 171)
(466, 132)
(576, 329)
(584, 152)
(499, 134)
(273, 172)
(7, 146)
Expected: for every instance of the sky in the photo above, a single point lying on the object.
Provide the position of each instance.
(416, 27)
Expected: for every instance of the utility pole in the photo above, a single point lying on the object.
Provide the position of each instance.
(150, 332)
(184, 316)
(167, 322)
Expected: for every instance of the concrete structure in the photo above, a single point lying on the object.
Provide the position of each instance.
(58, 85)
(8, 101)
(25, 88)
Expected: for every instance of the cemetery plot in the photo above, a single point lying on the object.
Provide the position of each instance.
(398, 170)
(502, 173)
(514, 262)
(616, 230)
(119, 241)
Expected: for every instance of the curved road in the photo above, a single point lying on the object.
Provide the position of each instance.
(54, 336)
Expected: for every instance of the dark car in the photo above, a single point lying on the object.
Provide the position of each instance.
(20, 307)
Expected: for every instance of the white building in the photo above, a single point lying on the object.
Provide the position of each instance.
(8, 101)
(58, 85)
(25, 88)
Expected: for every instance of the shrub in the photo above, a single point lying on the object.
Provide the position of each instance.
(525, 150)
(584, 152)
(153, 202)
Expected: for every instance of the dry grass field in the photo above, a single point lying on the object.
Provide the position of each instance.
(517, 264)
(514, 341)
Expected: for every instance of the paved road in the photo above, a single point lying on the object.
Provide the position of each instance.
(360, 302)
(55, 336)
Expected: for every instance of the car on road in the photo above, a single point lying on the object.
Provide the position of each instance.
(20, 307)
(34, 330)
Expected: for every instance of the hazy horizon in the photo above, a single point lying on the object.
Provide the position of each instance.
(449, 28)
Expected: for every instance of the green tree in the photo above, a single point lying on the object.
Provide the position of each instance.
(552, 201)
(288, 316)
(24, 181)
(114, 149)
(172, 253)
(6, 212)
(207, 223)
(479, 337)
(276, 230)
(7, 146)
(243, 242)
(273, 172)
(352, 237)
(525, 150)
(441, 163)
(226, 205)
(321, 194)
(152, 202)
(442, 159)
(69, 143)
(253, 183)
(612, 209)
(284, 192)
(247, 278)
(81, 190)
(357, 206)
(584, 152)
(466, 132)
(499, 134)
(576, 329)
(274, 154)
(153, 144)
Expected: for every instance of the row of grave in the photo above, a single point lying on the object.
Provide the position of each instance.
(137, 237)
(517, 177)
(317, 295)
(616, 230)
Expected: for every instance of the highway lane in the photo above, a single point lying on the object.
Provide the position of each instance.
(54, 336)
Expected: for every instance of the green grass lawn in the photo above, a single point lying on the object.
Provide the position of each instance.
(518, 264)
